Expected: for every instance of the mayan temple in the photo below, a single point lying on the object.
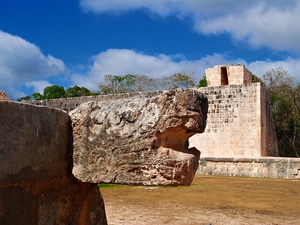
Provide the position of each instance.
(239, 122)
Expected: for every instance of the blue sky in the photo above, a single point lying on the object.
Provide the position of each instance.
(77, 42)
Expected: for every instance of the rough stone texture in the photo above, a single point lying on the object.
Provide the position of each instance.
(3, 96)
(239, 123)
(36, 183)
(263, 167)
(139, 140)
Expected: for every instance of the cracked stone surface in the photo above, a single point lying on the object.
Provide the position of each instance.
(139, 140)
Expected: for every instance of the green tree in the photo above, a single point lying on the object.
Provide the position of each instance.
(203, 82)
(54, 91)
(24, 99)
(144, 83)
(77, 92)
(114, 84)
(256, 79)
(178, 80)
(285, 102)
(37, 96)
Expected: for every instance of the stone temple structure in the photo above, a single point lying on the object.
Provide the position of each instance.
(239, 122)
(240, 138)
(227, 75)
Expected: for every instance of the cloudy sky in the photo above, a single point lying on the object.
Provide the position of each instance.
(77, 42)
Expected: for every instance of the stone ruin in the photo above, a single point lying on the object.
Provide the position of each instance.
(221, 75)
(240, 137)
(239, 119)
(3, 96)
(137, 141)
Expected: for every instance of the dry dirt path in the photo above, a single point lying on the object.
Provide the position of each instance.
(209, 200)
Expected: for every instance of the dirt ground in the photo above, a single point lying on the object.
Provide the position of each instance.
(209, 200)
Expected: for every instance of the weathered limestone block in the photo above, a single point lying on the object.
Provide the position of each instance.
(36, 182)
(139, 140)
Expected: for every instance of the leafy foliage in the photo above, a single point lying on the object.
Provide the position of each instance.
(203, 82)
(37, 96)
(24, 99)
(285, 102)
(77, 92)
(114, 84)
(178, 80)
(256, 79)
(54, 91)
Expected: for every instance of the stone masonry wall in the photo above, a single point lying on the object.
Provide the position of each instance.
(239, 123)
(263, 167)
(228, 75)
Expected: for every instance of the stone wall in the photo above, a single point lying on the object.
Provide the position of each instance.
(36, 182)
(263, 167)
(69, 104)
(239, 123)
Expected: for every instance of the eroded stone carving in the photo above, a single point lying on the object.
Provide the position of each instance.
(139, 140)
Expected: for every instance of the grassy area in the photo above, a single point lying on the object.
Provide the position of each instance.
(235, 195)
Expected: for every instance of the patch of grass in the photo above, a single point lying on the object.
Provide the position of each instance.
(105, 185)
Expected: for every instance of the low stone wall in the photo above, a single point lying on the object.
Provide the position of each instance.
(69, 104)
(263, 167)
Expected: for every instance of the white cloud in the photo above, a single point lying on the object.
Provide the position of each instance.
(291, 65)
(22, 61)
(124, 61)
(260, 25)
(38, 86)
(270, 23)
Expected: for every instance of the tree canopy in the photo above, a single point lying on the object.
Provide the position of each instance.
(202, 82)
(285, 102)
(77, 92)
(55, 91)
(114, 84)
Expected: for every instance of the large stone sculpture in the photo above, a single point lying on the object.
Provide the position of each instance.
(139, 140)
(36, 182)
